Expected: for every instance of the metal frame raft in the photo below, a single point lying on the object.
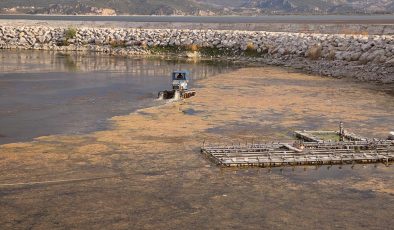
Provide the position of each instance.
(310, 150)
(279, 154)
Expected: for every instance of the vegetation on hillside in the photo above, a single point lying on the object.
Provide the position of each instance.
(195, 7)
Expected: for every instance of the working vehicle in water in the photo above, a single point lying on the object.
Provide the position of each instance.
(391, 136)
(180, 88)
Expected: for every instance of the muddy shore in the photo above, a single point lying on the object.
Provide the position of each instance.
(146, 172)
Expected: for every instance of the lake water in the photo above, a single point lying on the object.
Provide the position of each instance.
(145, 170)
(44, 93)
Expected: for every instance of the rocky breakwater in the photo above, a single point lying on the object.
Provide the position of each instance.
(365, 57)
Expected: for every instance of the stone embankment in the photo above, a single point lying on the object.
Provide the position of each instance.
(365, 57)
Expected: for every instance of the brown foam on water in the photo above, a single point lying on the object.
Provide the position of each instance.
(165, 183)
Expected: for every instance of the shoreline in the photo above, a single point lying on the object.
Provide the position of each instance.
(369, 73)
(301, 65)
(358, 56)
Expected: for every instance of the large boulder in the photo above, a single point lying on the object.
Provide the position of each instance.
(390, 62)
(32, 40)
(376, 55)
(41, 39)
(355, 56)
(98, 41)
(23, 41)
(367, 46)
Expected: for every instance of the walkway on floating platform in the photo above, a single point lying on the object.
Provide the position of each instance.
(311, 153)
(313, 136)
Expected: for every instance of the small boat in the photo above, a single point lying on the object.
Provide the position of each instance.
(180, 90)
(391, 136)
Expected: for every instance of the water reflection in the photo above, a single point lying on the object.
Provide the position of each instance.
(51, 61)
(44, 93)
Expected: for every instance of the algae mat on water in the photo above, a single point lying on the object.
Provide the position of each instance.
(146, 171)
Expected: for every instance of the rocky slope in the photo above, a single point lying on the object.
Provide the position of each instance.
(356, 56)
(322, 6)
(80, 7)
(305, 6)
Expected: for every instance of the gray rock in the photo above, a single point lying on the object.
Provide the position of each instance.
(41, 39)
(23, 41)
(32, 40)
(366, 47)
(347, 56)
(98, 41)
(390, 62)
(282, 51)
(378, 55)
(355, 56)
(364, 58)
